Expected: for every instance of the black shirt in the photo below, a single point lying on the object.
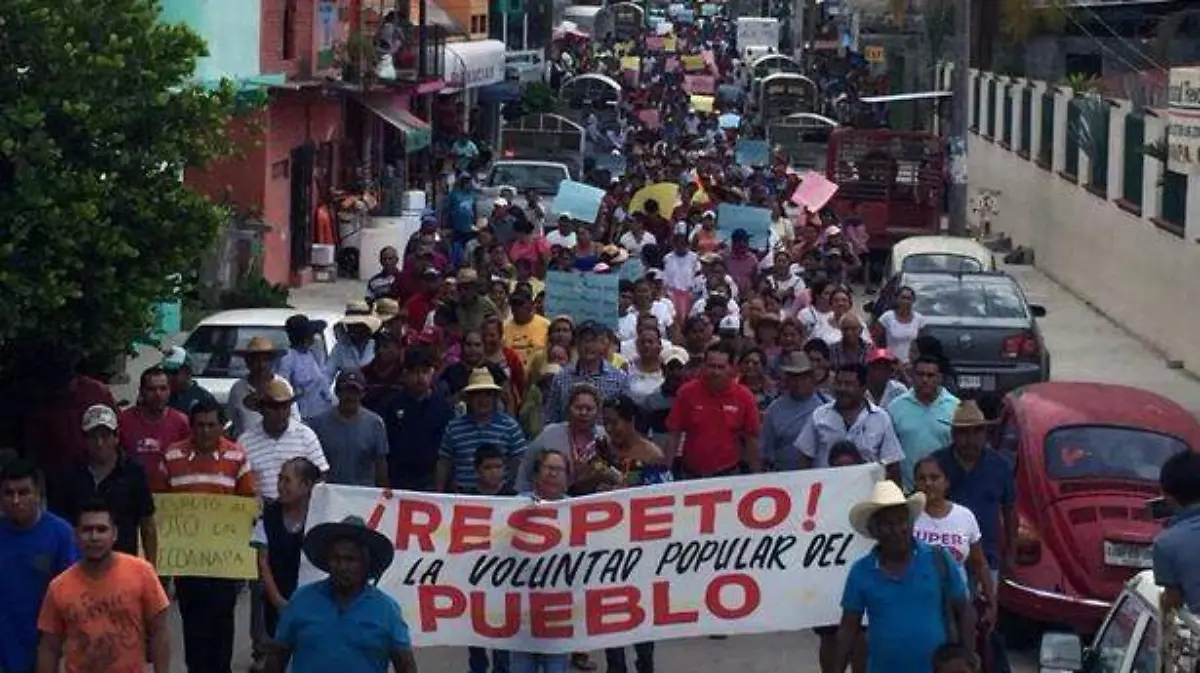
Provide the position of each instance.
(125, 489)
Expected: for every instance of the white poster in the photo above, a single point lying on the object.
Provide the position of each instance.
(1183, 134)
(719, 556)
(757, 32)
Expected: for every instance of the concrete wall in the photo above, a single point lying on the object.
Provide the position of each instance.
(1129, 263)
(230, 27)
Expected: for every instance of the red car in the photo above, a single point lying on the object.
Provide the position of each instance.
(1087, 460)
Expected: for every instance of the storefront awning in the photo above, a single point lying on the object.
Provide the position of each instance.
(469, 65)
(417, 133)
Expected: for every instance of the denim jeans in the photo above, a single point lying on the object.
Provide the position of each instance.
(477, 660)
(615, 659)
(527, 662)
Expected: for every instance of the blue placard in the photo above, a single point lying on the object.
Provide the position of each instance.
(580, 200)
(729, 120)
(633, 269)
(583, 296)
(752, 153)
(686, 16)
(710, 9)
(756, 222)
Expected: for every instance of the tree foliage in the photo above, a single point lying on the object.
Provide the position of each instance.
(98, 117)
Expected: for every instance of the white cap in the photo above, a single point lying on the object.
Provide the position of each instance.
(730, 323)
(99, 415)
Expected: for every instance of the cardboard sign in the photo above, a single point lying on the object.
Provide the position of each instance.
(654, 43)
(732, 555)
(756, 222)
(704, 84)
(814, 191)
(752, 153)
(670, 45)
(580, 200)
(650, 117)
(693, 63)
(703, 103)
(203, 535)
(583, 296)
(631, 63)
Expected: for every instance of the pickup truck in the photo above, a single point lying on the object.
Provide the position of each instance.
(520, 175)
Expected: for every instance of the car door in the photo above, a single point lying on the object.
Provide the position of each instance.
(1116, 645)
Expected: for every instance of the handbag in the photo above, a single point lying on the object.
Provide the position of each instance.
(948, 611)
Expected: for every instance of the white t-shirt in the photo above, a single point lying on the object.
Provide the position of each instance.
(900, 335)
(556, 238)
(635, 245)
(679, 271)
(627, 325)
(956, 531)
(818, 325)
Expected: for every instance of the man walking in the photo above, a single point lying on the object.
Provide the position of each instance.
(921, 417)
(184, 390)
(719, 417)
(207, 462)
(100, 614)
(416, 418)
(278, 438)
(150, 426)
(851, 417)
(790, 413)
(352, 437)
(35, 546)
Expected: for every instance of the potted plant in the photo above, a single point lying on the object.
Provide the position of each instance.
(356, 57)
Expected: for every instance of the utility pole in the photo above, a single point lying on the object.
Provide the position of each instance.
(956, 141)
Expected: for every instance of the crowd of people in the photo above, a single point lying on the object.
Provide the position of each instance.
(728, 356)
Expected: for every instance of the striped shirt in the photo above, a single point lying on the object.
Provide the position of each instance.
(609, 380)
(464, 435)
(268, 454)
(225, 471)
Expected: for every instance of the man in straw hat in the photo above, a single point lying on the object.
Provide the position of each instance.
(355, 347)
(911, 592)
(259, 355)
(484, 423)
(343, 622)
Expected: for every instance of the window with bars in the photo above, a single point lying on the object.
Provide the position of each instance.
(1098, 156)
(991, 108)
(975, 106)
(1046, 149)
(1132, 161)
(1026, 120)
(1071, 161)
(1174, 199)
(1006, 133)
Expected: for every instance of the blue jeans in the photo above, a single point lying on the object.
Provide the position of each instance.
(477, 660)
(528, 662)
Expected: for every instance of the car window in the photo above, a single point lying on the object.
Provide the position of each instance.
(1108, 452)
(211, 348)
(967, 298)
(545, 179)
(1145, 660)
(941, 262)
(1114, 641)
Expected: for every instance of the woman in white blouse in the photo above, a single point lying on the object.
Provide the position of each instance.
(899, 327)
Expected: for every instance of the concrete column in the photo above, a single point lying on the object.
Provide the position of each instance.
(1191, 230)
(1020, 93)
(975, 76)
(1059, 159)
(1152, 169)
(987, 109)
(1035, 119)
(1116, 148)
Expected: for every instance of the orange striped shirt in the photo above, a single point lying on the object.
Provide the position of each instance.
(224, 472)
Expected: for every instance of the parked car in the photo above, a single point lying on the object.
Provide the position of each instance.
(211, 346)
(951, 254)
(987, 328)
(1087, 459)
(1131, 639)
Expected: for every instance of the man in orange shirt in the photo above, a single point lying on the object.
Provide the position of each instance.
(98, 613)
(208, 463)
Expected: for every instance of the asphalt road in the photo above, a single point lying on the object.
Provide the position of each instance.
(1084, 346)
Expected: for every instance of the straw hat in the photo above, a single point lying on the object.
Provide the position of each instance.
(387, 308)
(259, 345)
(968, 415)
(481, 381)
(885, 494)
(616, 254)
(372, 323)
(358, 307)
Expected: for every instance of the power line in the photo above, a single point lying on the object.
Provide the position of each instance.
(1133, 47)
(1088, 33)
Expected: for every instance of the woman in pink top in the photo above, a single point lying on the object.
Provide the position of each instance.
(530, 247)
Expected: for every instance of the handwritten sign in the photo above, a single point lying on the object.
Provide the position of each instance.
(756, 222)
(580, 200)
(752, 152)
(703, 103)
(737, 555)
(814, 191)
(692, 63)
(202, 535)
(583, 296)
(705, 84)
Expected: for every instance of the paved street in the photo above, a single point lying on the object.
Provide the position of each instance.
(1085, 346)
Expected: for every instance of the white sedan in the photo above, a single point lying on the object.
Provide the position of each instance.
(213, 344)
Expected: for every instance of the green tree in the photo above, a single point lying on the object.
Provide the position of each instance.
(99, 116)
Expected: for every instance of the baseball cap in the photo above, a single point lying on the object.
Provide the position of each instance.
(795, 363)
(175, 359)
(351, 380)
(676, 356)
(99, 415)
(730, 323)
(880, 355)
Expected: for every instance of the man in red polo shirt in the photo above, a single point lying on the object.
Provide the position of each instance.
(716, 419)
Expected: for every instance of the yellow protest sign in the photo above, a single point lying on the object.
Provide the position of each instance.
(670, 45)
(203, 535)
(692, 63)
(631, 63)
(623, 48)
(666, 194)
(702, 103)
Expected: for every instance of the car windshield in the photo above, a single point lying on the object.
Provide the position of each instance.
(542, 177)
(211, 348)
(1108, 452)
(967, 298)
(935, 262)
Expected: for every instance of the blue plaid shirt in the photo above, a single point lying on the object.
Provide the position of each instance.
(610, 381)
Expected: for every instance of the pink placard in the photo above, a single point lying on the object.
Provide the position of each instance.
(699, 84)
(631, 76)
(654, 43)
(649, 117)
(814, 191)
(671, 64)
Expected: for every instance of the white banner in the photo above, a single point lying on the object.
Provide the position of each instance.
(717, 556)
(1183, 119)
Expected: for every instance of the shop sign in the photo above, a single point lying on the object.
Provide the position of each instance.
(1183, 111)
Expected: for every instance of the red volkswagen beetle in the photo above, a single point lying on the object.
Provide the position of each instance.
(1087, 458)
